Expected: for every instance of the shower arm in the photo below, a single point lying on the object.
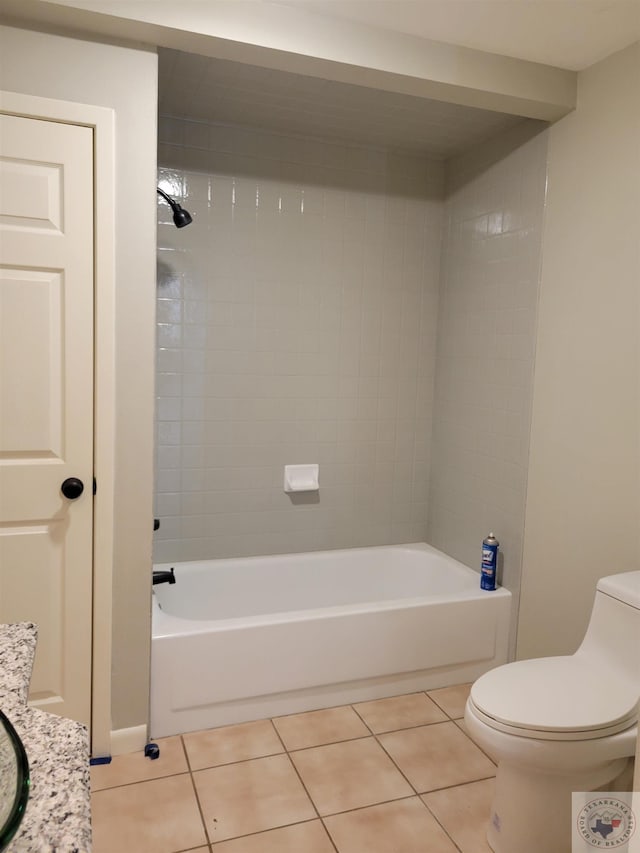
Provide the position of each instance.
(168, 199)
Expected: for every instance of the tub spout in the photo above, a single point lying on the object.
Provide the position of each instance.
(164, 577)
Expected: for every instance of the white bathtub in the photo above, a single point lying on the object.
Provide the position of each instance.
(243, 639)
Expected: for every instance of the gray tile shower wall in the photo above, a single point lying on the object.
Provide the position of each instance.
(486, 341)
(296, 322)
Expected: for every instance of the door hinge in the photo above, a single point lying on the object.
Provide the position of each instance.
(94, 486)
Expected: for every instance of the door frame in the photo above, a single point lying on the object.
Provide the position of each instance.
(102, 121)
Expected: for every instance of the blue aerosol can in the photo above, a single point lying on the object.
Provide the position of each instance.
(489, 569)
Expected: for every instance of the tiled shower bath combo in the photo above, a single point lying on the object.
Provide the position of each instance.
(373, 312)
(370, 311)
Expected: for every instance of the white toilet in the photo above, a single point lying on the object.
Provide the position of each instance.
(563, 724)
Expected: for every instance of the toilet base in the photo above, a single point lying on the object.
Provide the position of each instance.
(532, 811)
(623, 782)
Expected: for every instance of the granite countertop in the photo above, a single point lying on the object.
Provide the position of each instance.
(58, 814)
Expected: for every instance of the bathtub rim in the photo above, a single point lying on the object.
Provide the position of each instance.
(166, 625)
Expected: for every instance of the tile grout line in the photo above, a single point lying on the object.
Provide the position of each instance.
(140, 781)
(374, 805)
(195, 791)
(239, 761)
(259, 832)
(401, 728)
(329, 836)
(476, 745)
(444, 787)
(315, 808)
(304, 787)
(343, 705)
(360, 717)
(442, 827)
(459, 785)
(417, 794)
(381, 745)
(473, 741)
(447, 787)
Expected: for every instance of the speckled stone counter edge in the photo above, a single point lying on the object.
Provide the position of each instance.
(17, 651)
(58, 814)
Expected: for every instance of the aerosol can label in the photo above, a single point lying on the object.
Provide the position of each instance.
(489, 566)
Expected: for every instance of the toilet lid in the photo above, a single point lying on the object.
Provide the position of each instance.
(556, 695)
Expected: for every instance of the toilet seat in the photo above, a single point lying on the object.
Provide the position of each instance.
(560, 698)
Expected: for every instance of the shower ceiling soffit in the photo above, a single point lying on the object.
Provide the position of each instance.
(222, 91)
(298, 41)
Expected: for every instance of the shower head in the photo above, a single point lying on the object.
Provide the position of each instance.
(181, 217)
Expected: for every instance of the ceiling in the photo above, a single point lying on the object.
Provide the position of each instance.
(571, 34)
(218, 90)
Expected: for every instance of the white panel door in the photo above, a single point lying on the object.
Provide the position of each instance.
(46, 400)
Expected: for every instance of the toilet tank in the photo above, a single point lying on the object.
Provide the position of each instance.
(613, 634)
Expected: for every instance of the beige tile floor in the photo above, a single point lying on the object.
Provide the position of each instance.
(396, 775)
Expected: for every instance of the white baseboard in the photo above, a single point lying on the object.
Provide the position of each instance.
(128, 740)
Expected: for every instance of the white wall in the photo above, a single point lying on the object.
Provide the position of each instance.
(124, 80)
(486, 341)
(296, 323)
(583, 502)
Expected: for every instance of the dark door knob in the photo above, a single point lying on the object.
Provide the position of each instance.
(72, 488)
